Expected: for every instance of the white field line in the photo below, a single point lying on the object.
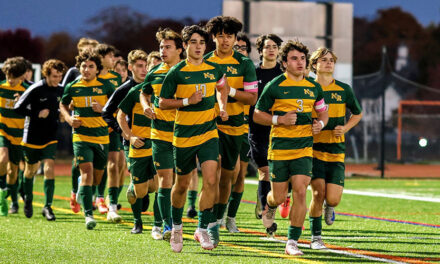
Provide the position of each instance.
(341, 252)
(375, 194)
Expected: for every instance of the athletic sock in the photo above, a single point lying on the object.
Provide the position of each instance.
(192, 198)
(2, 181)
(94, 190)
(263, 190)
(315, 225)
(13, 192)
(221, 211)
(137, 210)
(113, 193)
(75, 175)
(234, 203)
(294, 233)
(28, 185)
(86, 196)
(102, 184)
(120, 190)
(20, 181)
(164, 195)
(49, 189)
(156, 211)
(289, 190)
(176, 215)
(205, 217)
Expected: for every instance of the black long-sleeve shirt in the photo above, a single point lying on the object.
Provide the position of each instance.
(39, 96)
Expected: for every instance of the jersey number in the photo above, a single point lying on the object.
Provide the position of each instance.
(9, 103)
(300, 103)
(201, 87)
(88, 101)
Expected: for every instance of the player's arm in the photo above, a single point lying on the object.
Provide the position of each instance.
(137, 142)
(111, 107)
(22, 105)
(145, 100)
(222, 97)
(65, 112)
(322, 111)
(246, 97)
(352, 122)
(250, 84)
(353, 104)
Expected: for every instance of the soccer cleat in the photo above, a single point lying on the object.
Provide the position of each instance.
(137, 228)
(119, 206)
(204, 239)
(28, 209)
(73, 204)
(13, 209)
(317, 243)
(285, 208)
(272, 230)
(166, 235)
(268, 216)
(90, 222)
(145, 202)
(214, 235)
(131, 196)
(231, 225)
(329, 214)
(102, 207)
(113, 216)
(191, 212)
(48, 213)
(258, 212)
(3, 203)
(176, 240)
(156, 234)
(292, 249)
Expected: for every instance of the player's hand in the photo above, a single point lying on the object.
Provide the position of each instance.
(149, 112)
(316, 127)
(16, 97)
(125, 136)
(43, 113)
(97, 107)
(289, 119)
(71, 107)
(224, 115)
(74, 121)
(137, 142)
(196, 97)
(339, 131)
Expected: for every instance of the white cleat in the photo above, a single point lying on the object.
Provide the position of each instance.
(329, 214)
(113, 217)
(268, 216)
(202, 237)
(90, 222)
(292, 249)
(317, 243)
(231, 225)
(156, 234)
(176, 241)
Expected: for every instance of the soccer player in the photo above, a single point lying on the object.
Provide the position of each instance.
(190, 86)
(268, 46)
(242, 79)
(11, 131)
(286, 103)
(90, 132)
(171, 52)
(137, 64)
(115, 153)
(154, 59)
(40, 103)
(329, 145)
(121, 67)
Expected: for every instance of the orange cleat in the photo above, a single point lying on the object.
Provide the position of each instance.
(73, 204)
(285, 208)
(102, 207)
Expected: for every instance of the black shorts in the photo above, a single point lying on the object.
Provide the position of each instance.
(258, 150)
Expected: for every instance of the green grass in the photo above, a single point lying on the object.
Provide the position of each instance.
(66, 240)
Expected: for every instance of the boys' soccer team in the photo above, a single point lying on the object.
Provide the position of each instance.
(182, 110)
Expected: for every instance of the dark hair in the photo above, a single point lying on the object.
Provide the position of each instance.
(121, 62)
(262, 38)
(14, 67)
(242, 36)
(188, 31)
(226, 24)
(169, 34)
(89, 56)
(104, 49)
(28, 65)
(53, 64)
(293, 45)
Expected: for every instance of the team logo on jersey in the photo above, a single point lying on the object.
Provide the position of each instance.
(309, 92)
(79, 158)
(272, 175)
(97, 90)
(337, 97)
(232, 70)
(157, 164)
(208, 75)
(115, 83)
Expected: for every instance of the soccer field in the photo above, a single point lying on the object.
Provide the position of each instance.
(391, 221)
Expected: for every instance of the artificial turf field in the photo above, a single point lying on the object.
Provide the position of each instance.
(368, 229)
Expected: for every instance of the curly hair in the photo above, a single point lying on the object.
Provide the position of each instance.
(89, 55)
(226, 24)
(15, 67)
(242, 36)
(188, 31)
(104, 49)
(262, 38)
(319, 53)
(292, 45)
(135, 55)
(53, 64)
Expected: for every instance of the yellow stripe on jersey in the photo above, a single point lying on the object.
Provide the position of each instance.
(19, 87)
(7, 103)
(336, 110)
(289, 154)
(92, 121)
(38, 146)
(286, 105)
(86, 101)
(326, 136)
(162, 135)
(227, 60)
(156, 89)
(234, 108)
(90, 139)
(196, 68)
(289, 82)
(194, 118)
(332, 87)
(141, 131)
(84, 83)
(329, 157)
(12, 122)
(236, 82)
(13, 140)
(184, 142)
(186, 90)
(296, 131)
(166, 115)
(232, 131)
(139, 153)
(163, 69)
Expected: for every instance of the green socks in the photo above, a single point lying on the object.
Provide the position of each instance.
(102, 184)
(2, 181)
(113, 193)
(176, 214)
(164, 200)
(86, 194)
(315, 225)
(205, 217)
(234, 203)
(75, 175)
(192, 198)
(156, 211)
(13, 192)
(49, 189)
(137, 210)
(28, 185)
(294, 232)
(221, 210)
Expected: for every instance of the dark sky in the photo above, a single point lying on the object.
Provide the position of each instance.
(43, 17)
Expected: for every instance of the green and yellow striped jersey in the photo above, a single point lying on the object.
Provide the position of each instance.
(194, 124)
(93, 128)
(280, 96)
(338, 96)
(11, 123)
(161, 127)
(137, 121)
(113, 78)
(241, 75)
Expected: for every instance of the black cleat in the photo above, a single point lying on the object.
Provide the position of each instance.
(137, 229)
(13, 209)
(271, 230)
(191, 212)
(48, 213)
(119, 206)
(145, 203)
(28, 209)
